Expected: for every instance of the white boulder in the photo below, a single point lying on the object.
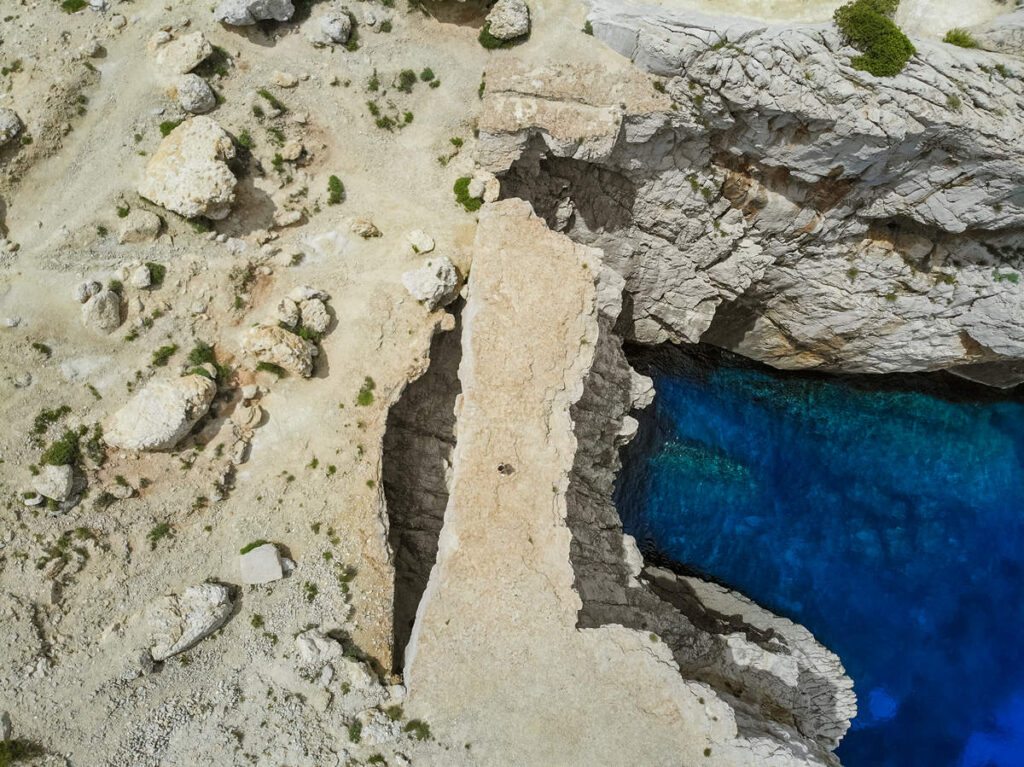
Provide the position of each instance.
(54, 482)
(141, 277)
(314, 315)
(316, 649)
(86, 290)
(332, 29)
(194, 94)
(277, 346)
(176, 56)
(420, 241)
(178, 622)
(261, 565)
(509, 19)
(161, 413)
(10, 125)
(244, 12)
(433, 283)
(102, 312)
(189, 173)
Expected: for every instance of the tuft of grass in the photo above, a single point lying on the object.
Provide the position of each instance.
(157, 273)
(588, 29)
(244, 140)
(355, 731)
(373, 84)
(162, 355)
(335, 190)
(960, 37)
(158, 533)
(214, 64)
(270, 367)
(43, 349)
(13, 751)
(953, 102)
(73, 6)
(271, 99)
(123, 211)
(168, 125)
(418, 729)
(252, 545)
(868, 26)
(365, 396)
(427, 74)
(63, 452)
(385, 26)
(462, 197)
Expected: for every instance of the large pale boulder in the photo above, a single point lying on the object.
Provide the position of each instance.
(189, 173)
(10, 125)
(261, 564)
(509, 19)
(433, 283)
(277, 346)
(161, 413)
(178, 622)
(139, 226)
(245, 12)
(102, 312)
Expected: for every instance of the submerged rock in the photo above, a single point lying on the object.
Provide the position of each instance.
(189, 173)
(161, 414)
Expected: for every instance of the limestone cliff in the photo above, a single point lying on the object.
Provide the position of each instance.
(538, 639)
(757, 192)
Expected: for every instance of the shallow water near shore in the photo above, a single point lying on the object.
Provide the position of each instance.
(886, 514)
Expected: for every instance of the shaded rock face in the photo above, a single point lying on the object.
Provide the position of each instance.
(770, 199)
(418, 444)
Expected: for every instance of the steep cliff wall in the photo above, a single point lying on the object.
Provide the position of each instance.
(757, 192)
(538, 639)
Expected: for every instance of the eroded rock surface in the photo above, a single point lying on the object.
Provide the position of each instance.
(768, 198)
(177, 622)
(161, 414)
(277, 346)
(246, 12)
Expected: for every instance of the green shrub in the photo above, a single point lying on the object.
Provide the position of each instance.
(160, 531)
(272, 100)
(462, 196)
(406, 79)
(335, 190)
(12, 751)
(72, 6)
(427, 75)
(365, 396)
(588, 29)
(868, 27)
(418, 729)
(63, 452)
(385, 26)
(162, 355)
(157, 272)
(168, 125)
(960, 37)
(201, 353)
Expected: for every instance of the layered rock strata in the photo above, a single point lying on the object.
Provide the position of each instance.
(536, 614)
(757, 192)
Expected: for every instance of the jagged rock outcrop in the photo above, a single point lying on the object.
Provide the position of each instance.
(246, 12)
(177, 622)
(1004, 34)
(761, 194)
(161, 414)
(189, 172)
(533, 613)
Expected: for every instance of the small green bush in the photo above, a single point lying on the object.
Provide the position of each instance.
(868, 27)
(335, 190)
(272, 100)
(960, 37)
(72, 6)
(13, 751)
(427, 75)
(406, 80)
(160, 531)
(168, 125)
(418, 729)
(365, 396)
(201, 353)
(63, 452)
(385, 26)
(162, 355)
(157, 272)
(461, 189)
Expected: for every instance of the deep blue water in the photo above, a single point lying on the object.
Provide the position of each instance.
(886, 517)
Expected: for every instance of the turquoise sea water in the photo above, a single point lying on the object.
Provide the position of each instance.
(886, 515)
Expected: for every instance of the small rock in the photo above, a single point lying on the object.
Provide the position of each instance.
(261, 565)
(54, 482)
(287, 217)
(5, 726)
(178, 622)
(277, 346)
(420, 241)
(117, 21)
(315, 315)
(364, 229)
(433, 283)
(141, 277)
(10, 125)
(307, 293)
(287, 313)
(159, 415)
(121, 491)
(194, 94)
(509, 19)
(181, 55)
(139, 226)
(334, 28)
(292, 150)
(102, 312)
(284, 79)
(316, 649)
(244, 12)
(86, 290)
(33, 500)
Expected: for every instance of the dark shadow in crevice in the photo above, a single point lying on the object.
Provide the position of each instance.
(418, 446)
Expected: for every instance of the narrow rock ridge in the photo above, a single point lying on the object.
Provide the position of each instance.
(531, 557)
(836, 220)
(416, 465)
